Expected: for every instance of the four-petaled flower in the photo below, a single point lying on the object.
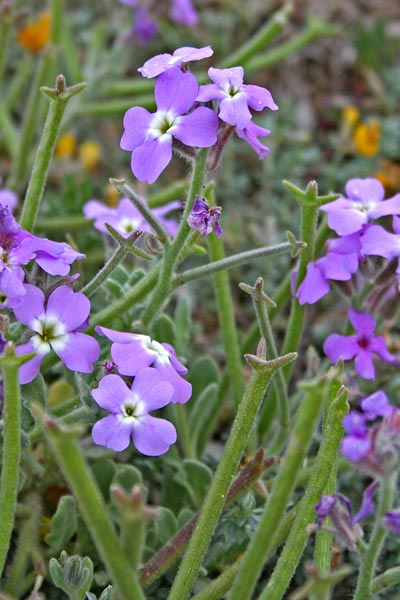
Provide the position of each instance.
(125, 218)
(130, 416)
(235, 97)
(132, 352)
(360, 346)
(204, 218)
(163, 62)
(149, 135)
(365, 202)
(57, 326)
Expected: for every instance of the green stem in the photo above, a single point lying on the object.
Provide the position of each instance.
(261, 39)
(16, 87)
(91, 505)
(142, 207)
(386, 580)
(314, 30)
(171, 254)
(5, 28)
(261, 375)
(298, 536)
(10, 364)
(370, 556)
(236, 260)
(226, 317)
(126, 246)
(8, 131)
(258, 549)
(58, 100)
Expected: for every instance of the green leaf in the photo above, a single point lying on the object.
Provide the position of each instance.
(202, 418)
(166, 525)
(104, 471)
(203, 372)
(63, 524)
(182, 325)
(195, 477)
(162, 330)
(127, 476)
(35, 391)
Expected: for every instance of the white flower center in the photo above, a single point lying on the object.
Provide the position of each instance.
(231, 90)
(50, 333)
(163, 124)
(155, 348)
(132, 411)
(127, 225)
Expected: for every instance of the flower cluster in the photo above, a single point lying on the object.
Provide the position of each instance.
(150, 136)
(125, 218)
(158, 380)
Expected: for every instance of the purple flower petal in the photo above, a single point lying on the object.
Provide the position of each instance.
(259, 97)
(336, 346)
(392, 520)
(176, 91)
(362, 322)
(150, 159)
(376, 405)
(152, 389)
(112, 432)
(313, 287)
(354, 424)
(162, 62)
(183, 11)
(387, 207)
(210, 91)
(250, 134)
(378, 345)
(71, 308)
(178, 366)
(111, 393)
(28, 371)
(31, 306)
(182, 388)
(364, 364)
(366, 191)
(198, 129)
(354, 448)
(227, 78)
(152, 436)
(136, 125)
(131, 358)
(115, 336)
(367, 506)
(339, 267)
(79, 353)
(235, 111)
(377, 241)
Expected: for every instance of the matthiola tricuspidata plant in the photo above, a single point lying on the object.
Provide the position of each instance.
(144, 397)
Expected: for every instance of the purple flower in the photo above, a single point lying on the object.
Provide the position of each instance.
(149, 135)
(54, 257)
(56, 325)
(183, 12)
(130, 416)
(144, 28)
(360, 346)
(235, 97)
(356, 444)
(204, 218)
(379, 242)
(364, 202)
(339, 264)
(8, 199)
(132, 352)
(125, 218)
(338, 508)
(250, 134)
(163, 62)
(392, 520)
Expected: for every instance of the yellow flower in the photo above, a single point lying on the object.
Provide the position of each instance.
(66, 146)
(366, 138)
(35, 35)
(351, 115)
(389, 176)
(112, 195)
(89, 153)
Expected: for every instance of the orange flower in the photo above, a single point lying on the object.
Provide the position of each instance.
(366, 138)
(389, 176)
(35, 35)
(89, 153)
(66, 146)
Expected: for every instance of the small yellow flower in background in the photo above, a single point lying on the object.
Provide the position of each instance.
(35, 35)
(66, 146)
(351, 115)
(366, 138)
(111, 195)
(89, 153)
(389, 176)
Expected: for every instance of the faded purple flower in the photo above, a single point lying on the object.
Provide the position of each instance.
(365, 201)
(149, 135)
(144, 27)
(183, 12)
(130, 416)
(250, 134)
(356, 443)
(125, 218)
(339, 509)
(57, 325)
(361, 346)
(204, 218)
(131, 352)
(163, 62)
(8, 199)
(392, 520)
(235, 97)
